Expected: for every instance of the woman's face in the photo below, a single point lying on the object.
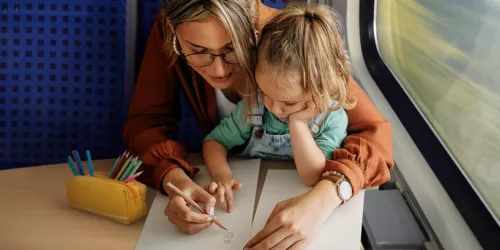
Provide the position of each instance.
(209, 36)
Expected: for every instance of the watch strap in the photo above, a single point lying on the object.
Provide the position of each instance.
(336, 178)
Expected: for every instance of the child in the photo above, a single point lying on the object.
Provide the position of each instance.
(297, 109)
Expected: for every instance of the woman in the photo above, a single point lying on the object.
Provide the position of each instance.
(206, 48)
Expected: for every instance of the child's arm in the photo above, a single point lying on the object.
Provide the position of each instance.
(310, 153)
(231, 131)
(309, 159)
(223, 182)
(215, 156)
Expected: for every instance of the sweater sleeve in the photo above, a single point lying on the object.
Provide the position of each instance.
(366, 156)
(154, 112)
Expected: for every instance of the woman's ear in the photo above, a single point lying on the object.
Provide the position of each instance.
(171, 26)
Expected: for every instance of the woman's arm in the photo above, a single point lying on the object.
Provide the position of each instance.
(154, 112)
(366, 156)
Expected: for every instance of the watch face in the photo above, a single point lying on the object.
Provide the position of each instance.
(345, 190)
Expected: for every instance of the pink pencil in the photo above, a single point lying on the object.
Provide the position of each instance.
(132, 177)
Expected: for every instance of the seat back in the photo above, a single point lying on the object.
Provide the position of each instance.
(61, 80)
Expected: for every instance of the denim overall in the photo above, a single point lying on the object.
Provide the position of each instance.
(267, 146)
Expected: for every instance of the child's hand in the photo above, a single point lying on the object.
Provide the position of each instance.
(222, 188)
(305, 114)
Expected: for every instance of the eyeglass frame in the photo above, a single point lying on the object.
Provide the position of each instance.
(223, 55)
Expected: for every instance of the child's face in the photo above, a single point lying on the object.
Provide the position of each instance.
(282, 99)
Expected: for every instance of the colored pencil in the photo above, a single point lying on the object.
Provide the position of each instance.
(76, 163)
(123, 167)
(131, 170)
(89, 161)
(120, 164)
(127, 169)
(71, 163)
(79, 162)
(135, 167)
(193, 203)
(131, 178)
(116, 163)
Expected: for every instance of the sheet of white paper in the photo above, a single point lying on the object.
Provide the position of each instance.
(159, 233)
(342, 229)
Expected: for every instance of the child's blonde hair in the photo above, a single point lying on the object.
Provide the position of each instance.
(306, 38)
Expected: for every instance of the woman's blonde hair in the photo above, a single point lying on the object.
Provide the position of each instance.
(306, 38)
(237, 16)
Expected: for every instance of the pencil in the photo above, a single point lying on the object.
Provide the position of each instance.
(123, 168)
(127, 169)
(179, 192)
(120, 164)
(114, 164)
(89, 161)
(79, 162)
(131, 170)
(72, 165)
(131, 178)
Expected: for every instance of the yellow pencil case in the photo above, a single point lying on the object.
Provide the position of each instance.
(109, 198)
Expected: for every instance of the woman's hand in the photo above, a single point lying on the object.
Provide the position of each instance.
(224, 188)
(294, 222)
(177, 210)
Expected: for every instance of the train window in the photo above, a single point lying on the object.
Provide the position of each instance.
(443, 59)
(446, 55)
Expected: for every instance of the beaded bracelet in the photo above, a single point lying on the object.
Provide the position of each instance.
(327, 173)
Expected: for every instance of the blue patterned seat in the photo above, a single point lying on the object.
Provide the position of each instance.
(62, 65)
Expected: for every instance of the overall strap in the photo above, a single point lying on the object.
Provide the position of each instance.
(316, 123)
(256, 117)
(318, 120)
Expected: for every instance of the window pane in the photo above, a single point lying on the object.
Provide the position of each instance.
(446, 54)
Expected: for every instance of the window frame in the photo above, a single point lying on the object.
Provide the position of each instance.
(470, 205)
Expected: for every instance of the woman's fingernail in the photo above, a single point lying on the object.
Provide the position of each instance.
(210, 218)
(211, 211)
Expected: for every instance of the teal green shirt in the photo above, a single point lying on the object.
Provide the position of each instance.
(234, 130)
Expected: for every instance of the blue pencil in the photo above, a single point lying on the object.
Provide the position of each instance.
(89, 160)
(72, 165)
(76, 163)
(115, 164)
(79, 162)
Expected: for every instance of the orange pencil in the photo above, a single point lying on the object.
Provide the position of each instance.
(179, 192)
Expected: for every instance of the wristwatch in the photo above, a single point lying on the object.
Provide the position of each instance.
(344, 187)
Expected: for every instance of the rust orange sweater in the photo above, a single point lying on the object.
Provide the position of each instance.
(365, 159)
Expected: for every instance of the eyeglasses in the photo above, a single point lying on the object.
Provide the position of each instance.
(205, 59)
